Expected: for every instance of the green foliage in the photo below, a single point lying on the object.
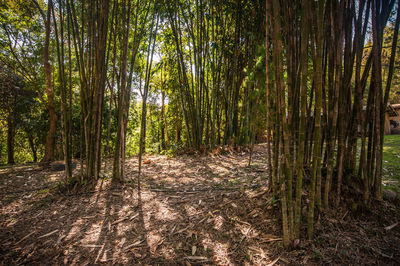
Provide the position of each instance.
(19, 105)
(317, 254)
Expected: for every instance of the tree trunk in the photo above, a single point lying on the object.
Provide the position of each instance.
(303, 106)
(150, 53)
(65, 121)
(378, 96)
(10, 138)
(316, 161)
(50, 139)
(272, 181)
(32, 146)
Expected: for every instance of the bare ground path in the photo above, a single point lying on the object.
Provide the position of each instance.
(193, 210)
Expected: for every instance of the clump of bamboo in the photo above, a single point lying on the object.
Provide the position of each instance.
(316, 99)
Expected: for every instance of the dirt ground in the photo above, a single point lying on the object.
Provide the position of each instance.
(192, 210)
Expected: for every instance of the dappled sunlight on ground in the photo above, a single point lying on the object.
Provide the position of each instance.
(198, 210)
(221, 254)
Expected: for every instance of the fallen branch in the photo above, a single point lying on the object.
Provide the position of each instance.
(195, 258)
(274, 261)
(345, 214)
(239, 221)
(270, 240)
(183, 229)
(49, 234)
(120, 220)
(382, 254)
(137, 243)
(92, 246)
(133, 217)
(387, 228)
(25, 237)
(204, 189)
(92, 192)
(25, 191)
(258, 194)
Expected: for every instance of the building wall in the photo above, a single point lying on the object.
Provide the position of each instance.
(397, 118)
(387, 124)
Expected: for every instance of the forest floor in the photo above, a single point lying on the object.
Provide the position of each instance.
(193, 210)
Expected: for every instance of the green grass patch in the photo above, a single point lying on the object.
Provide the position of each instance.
(391, 162)
(43, 191)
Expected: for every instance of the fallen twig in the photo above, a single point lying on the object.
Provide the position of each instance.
(239, 221)
(183, 229)
(37, 215)
(203, 189)
(25, 237)
(92, 246)
(345, 214)
(196, 258)
(120, 220)
(274, 261)
(258, 194)
(137, 243)
(382, 254)
(89, 217)
(270, 240)
(49, 234)
(134, 216)
(92, 192)
(387, 228)
(25, 191)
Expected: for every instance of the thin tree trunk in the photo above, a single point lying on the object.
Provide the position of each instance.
(64, 107)
(119, 147)
(303, 105)
(316, 161)
(378, 96)
(50, 139)
(150, 53)
(10, 138)
(272, 181)
(32, 146)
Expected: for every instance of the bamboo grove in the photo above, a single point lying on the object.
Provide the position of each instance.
(308, 77)
(101, 55)
(328, 89)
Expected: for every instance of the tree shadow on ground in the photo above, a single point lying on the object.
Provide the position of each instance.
(231, 225)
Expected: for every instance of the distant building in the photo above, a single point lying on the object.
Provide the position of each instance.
(392, 118)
